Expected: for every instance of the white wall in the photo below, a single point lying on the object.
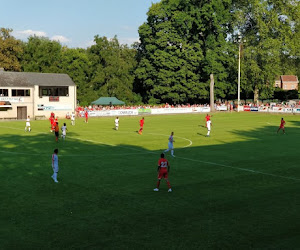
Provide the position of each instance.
(17, 102)
(61, 108)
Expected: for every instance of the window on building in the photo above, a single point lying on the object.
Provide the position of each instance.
(20, 92)
(3, 92)
(54, 91)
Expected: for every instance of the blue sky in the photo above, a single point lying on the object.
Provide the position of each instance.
(75, 22)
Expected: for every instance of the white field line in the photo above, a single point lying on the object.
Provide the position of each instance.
(241, 169)
(190, 142)
(189, 159)
(76, 138)
(104, 143)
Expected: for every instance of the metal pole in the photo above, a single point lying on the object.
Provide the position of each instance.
(239, 77)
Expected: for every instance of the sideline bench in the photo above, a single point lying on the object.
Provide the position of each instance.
(40, 117)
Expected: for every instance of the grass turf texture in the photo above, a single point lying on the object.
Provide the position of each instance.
(105, 199)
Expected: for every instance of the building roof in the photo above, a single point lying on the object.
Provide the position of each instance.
(289, 78)
(28, 79)
(108, 101)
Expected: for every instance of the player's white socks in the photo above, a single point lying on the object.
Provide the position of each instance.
(172, 152)
(208, 132)
(167, 150)
(54, 177)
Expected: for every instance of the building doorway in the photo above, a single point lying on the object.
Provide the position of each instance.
(21, 113)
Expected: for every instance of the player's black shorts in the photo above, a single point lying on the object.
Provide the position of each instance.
(56, 134)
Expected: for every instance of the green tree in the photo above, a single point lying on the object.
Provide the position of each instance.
(41, 55)
(182, 43)
(10, 51)
(112, 67)
(76, 64)
(271, 30)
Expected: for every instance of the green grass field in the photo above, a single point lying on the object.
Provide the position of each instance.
(238, 189)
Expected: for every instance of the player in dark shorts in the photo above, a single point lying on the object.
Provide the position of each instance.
(56, 129)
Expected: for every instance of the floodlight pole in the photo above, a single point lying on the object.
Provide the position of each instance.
(239, 75)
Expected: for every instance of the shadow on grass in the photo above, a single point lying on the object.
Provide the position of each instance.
(223, 194)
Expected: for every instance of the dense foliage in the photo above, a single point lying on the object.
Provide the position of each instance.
(181, 44)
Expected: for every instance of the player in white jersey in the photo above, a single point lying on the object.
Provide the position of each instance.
(55, 165)
(27, 126)
(208, 124)
(73, 118)
(117, 123)
(64, 131)
(170, 145)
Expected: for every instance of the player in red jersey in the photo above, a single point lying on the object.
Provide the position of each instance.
(163, 169)
(51, 119)
(282, 123)
(142, 121)
(86, 114)
(54, 122)
(207, 118)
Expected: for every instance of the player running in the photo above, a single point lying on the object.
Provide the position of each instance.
(117, 123)
(207, 118)
(142, 121)
(56, 130)
(55, 165)
(170, 144)
(163, 169)
(51, 119)
(27, 125)
(208, 125)
(73, 119)
(64, 131)
(282, 123)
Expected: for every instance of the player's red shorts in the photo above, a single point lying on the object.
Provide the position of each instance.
(163, 173)
(281, 127)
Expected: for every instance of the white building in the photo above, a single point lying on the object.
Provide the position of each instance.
(36, 95)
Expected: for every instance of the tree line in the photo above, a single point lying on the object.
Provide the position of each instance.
(181, 43)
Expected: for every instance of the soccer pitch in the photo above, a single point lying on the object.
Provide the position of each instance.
(238, 189)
